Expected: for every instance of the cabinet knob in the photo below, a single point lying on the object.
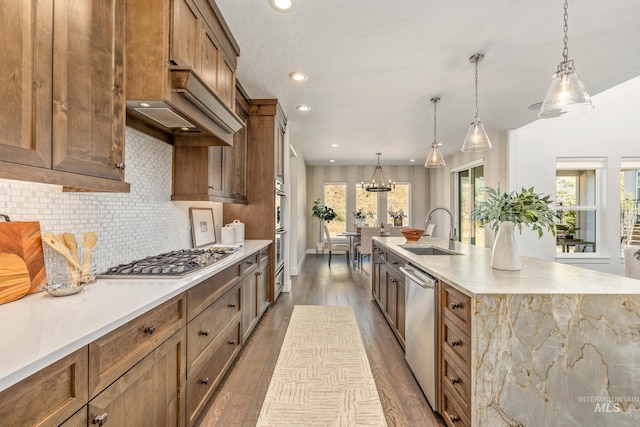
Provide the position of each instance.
(249, 262)
(120, 166)
(232, 304)
(232, 342)
(454, 380)
(100, 419)
(395, 262)
(264, 254)
(259, 273)
(454, 418)
(455, 343)
(394, 280)
(455, 305)
(204, 381)
(204, 333)
(150, 330)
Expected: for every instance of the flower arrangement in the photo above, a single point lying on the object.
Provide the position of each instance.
(525, 207)
(323, 212)
(397, 214)
(361, 215)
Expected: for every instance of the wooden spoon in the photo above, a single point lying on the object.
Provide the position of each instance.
(90, 239)
(72, 244)
(51, 240)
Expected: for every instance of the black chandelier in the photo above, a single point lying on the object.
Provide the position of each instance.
(378, 181)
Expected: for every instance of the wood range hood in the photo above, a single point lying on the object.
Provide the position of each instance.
(180, 71)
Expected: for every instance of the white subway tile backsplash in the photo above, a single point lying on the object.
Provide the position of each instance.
(129, 225)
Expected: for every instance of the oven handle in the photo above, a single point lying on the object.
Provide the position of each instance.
(281, 231)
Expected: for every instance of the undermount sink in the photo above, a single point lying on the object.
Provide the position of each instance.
(427, 250)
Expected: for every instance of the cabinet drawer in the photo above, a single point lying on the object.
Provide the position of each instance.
(202, 295)
(206, 374)
(151, 393)
(394, 261)
(457, 307)
(264, 254)
(202, 330)
(457, 383)
(451, 412)
(250, 263)
(48, 397)
(457, 344)
(113, 354)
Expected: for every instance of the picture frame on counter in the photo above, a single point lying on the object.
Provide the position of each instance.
(202, 227)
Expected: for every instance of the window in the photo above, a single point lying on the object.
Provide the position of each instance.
(368, 202)
(578, 185)
(470, 184)
(335, 196)
(630, 203)
(400, 198)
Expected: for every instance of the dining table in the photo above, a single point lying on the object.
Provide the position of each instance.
(352, 240)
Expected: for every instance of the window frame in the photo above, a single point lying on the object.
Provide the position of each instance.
(324, 201)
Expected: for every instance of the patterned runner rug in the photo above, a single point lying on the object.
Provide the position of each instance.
(322, 376)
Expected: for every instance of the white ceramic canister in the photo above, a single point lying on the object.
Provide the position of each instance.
(228, 234)
(239, 227)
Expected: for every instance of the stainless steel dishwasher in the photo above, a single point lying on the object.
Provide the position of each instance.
(420, 329)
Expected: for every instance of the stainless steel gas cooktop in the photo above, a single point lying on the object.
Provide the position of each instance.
(173, 264)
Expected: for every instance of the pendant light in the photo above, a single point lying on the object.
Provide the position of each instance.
(567, 95)
(434, 158)
(378, 181)
(477, 139)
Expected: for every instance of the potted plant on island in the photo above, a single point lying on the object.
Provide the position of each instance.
(397, 216)
(504, 211)
(323, 213)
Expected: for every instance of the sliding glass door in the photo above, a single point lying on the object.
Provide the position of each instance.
(470, 183)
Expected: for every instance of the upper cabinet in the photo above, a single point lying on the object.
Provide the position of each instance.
(63, 107)
(181, 61)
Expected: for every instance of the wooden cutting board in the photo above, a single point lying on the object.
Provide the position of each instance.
(22, 238)
(14, 278)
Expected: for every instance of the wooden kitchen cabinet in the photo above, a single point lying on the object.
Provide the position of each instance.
(213, 173)
(79, 419)
(249, 295)
(113, 354)
(262, 282)
(388, 289)
(64, 122)
(455, 356)
(48, 397)
(266, 129)
(151, 393)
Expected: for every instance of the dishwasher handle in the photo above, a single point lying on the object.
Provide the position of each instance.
(424, 282)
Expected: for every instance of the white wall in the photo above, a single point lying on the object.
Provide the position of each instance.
(609, 131)
(129, 225)
(296, 191)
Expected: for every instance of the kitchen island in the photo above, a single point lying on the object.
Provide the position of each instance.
(551, 344)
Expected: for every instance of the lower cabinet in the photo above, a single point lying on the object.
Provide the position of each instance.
(388, 290)
(79, 419)
(152, 393)
(262, 283)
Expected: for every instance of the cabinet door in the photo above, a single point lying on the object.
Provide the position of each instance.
(235, 160)
(25, 110)
(279, 154)
(88, 102)
(185, 33)
(249, 304)
(216, 172)
(262, 276)
(152, 393)
(209, 58)
(392, 292)
(400, 315)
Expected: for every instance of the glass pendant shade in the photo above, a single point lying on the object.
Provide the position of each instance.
(434, 158)
(477, 138)
(566, 96)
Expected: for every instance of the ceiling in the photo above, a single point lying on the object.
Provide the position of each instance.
(374, 65)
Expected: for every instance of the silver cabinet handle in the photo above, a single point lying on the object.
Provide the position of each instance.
(150, 330)
(454, 380)
(232, 305)
(455, 343)
(204, 381)
(259, 273)
(232, 342)
(455, 305)
(100, 419)
(454, 418)
(204, 333)
(120, 166)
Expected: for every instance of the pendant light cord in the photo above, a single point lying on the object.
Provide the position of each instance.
(565, 50)
(476, 115)
(435, 105)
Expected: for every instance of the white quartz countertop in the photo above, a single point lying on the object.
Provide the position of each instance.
(472, 274)
(39, 329)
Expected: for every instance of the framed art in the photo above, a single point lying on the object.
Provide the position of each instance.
(202, 229)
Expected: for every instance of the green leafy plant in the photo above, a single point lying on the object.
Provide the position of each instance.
(323, 212)
(397, 214)
(525, 207)
(361, 215)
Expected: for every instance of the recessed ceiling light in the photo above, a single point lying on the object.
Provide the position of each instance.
(335, 145)
(332, 161)
(145, 104)
(303, 108)
(412, 160)
(298, 76)
(281, 5)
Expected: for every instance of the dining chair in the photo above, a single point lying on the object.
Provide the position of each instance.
(365, 248)
(334, 246)
(396, 231)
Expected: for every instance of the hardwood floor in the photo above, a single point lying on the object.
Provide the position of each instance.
(239, 397)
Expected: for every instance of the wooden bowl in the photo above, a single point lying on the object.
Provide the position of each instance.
(412, 234)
